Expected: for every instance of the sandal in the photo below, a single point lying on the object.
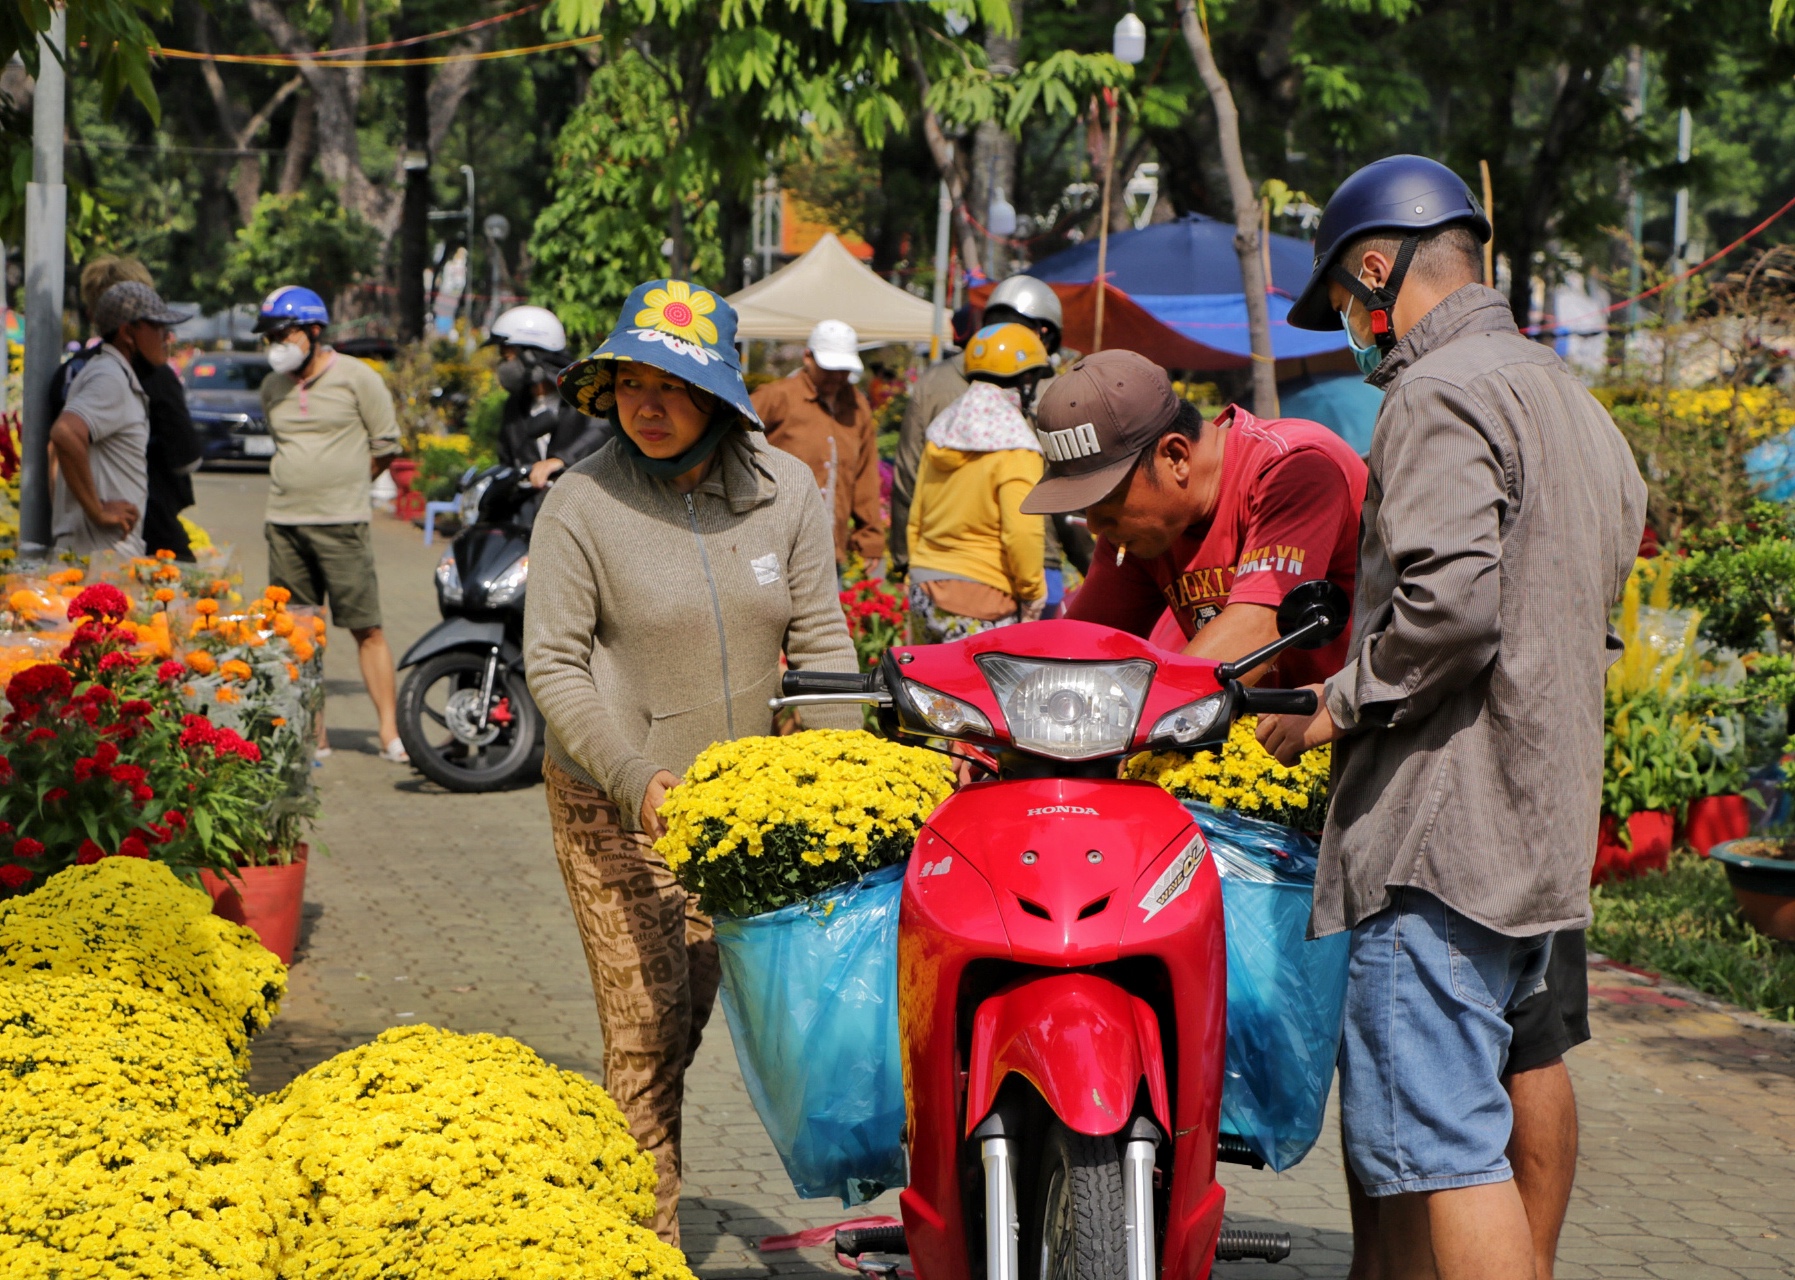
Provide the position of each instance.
(395, 752)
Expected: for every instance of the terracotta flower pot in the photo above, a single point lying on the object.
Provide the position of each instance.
(266, 900)
(1764, 888)
(1714, 820)
(1649, 835)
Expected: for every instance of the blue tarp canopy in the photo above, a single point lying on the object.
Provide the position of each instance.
(1186, 274)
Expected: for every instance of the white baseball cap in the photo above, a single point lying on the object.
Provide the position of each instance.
(834, 345)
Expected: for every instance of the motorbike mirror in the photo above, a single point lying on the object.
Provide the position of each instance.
(1318, 608)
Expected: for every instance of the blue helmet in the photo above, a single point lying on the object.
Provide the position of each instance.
(1399, 195)
(291, 304)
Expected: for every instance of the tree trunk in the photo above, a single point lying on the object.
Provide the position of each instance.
(301, 139)
(941, 149)
(1246, 214)
(414, 218)
(994, 150)
(735, 220)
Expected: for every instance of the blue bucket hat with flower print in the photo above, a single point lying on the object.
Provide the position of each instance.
(680, 328)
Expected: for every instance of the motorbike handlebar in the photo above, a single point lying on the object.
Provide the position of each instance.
(796, 684)
(1278, 702)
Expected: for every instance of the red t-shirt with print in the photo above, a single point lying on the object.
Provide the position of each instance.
(1288, 511)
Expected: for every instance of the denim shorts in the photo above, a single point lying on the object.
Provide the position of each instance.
(1425, 1045)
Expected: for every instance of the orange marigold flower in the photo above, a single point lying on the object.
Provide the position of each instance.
(282, 624)
(165, 554)
(302, 649)
(168, 573)
(202, 662)
(66, 577)
(228, 694)
(280, 595)
(292, 672)
(235, 669)
(206, 607)
(278, 721)
(164, 595)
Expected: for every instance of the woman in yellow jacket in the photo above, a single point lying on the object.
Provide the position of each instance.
(975, 559)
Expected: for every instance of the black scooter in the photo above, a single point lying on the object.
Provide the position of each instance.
(465, 712)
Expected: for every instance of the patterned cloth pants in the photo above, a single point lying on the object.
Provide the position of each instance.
(653, 960)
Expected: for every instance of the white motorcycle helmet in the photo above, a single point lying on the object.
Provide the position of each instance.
(529, 327)
(1031, 299)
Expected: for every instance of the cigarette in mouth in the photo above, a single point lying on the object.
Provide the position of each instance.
(1120, 552)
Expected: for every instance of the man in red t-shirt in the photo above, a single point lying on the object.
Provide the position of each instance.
(1214, 521)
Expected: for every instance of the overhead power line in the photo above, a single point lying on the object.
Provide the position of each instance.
(437, 60)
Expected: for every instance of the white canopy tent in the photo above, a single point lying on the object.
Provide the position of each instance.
(829, 283)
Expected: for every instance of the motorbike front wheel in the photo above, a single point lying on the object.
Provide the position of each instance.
(1077, 1223)
(439, 722)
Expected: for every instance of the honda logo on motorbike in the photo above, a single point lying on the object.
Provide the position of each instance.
(937, 868)
(1076, 809)
(1175, 879)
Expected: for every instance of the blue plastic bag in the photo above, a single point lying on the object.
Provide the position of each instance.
(810, 992)
(1286, 995)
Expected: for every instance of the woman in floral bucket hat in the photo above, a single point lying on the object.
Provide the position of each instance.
(668, 572)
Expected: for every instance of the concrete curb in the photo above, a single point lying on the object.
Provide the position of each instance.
(1646, 978)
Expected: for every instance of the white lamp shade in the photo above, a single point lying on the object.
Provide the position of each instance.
(1000, 219)
(1131, 40)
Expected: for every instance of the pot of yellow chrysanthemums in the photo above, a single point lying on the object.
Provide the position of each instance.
(1285, 993)
(796, 845)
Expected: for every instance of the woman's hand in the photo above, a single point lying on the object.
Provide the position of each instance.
(1287, 737)
(652, 800)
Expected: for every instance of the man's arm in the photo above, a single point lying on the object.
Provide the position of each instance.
(1440, 520)
(378, 418)
(869, 538)
(70, 438)
(1235, 632)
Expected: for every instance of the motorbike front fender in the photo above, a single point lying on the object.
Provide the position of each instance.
(461, 633)
(1083, 1042)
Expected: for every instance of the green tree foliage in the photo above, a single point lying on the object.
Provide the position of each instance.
(111, 36)
(1742, 578)
(613, 182)
(307, 238)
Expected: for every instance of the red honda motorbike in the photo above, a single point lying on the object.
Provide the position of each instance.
(1062, 981)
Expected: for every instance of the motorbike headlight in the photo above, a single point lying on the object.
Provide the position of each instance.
(448, 579)
(1070, 710)
(469, 499)
(1188, 723)
(509, 585)
(944, 714)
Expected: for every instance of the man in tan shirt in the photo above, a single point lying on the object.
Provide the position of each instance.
(819, 416)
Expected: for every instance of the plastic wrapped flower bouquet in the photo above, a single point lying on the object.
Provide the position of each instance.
(761, 823)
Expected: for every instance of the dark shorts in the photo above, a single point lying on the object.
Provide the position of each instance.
(334, 562)
(1552, 1022)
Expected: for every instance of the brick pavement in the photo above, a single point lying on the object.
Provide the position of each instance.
(448, 909)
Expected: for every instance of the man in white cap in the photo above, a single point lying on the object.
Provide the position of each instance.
(817, 414)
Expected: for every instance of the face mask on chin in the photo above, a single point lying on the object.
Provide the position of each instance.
(1368, 357)
(287, 357)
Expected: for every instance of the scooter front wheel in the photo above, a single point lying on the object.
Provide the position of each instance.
(439, 722)
(1077, 1227)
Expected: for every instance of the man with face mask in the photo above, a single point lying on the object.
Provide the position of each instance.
(334, 430)
(540, 432)
(1501, 520)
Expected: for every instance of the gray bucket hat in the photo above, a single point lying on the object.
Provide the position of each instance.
(127, 301)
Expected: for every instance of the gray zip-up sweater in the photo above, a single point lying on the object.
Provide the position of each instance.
(1502, 517)
(655, 619)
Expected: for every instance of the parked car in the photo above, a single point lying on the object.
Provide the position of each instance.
(224, 397)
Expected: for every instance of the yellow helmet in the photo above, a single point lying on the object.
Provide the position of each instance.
(1003, 352)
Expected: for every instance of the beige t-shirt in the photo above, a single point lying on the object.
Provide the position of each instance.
(108, 398)
(325, 430)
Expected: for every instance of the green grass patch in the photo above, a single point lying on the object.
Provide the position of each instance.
(1683, 924)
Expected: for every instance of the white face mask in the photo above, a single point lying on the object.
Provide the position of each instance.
(286, 357)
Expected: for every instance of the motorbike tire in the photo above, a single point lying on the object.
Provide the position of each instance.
(1077, 1228)
(513, 758)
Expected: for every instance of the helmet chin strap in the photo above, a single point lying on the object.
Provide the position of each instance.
(1380, 300)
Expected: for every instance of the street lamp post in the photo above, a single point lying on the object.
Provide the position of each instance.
(1130, 46)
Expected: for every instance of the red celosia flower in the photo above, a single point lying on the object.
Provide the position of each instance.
(5, 827)
(105, 754)
(160, 834)
(132, 846)
(5, 769)
(102, 602)
(55, 795)
(84, 769)
(118, 662)
(142, 795)
(26, 847)
(170, 671)
(135, 707)
(128, 775)
(176, 819)
(46, 682)
(14, 876)
(88, 853)
(40, 735)
(97, 695)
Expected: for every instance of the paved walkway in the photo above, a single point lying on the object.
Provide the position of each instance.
(431, 907)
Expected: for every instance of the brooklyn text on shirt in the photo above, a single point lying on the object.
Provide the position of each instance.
(1280, 559)
(1195, 587)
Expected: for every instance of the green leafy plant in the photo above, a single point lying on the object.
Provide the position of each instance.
(1741, 575)
(1683, 923)
(306, 238)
